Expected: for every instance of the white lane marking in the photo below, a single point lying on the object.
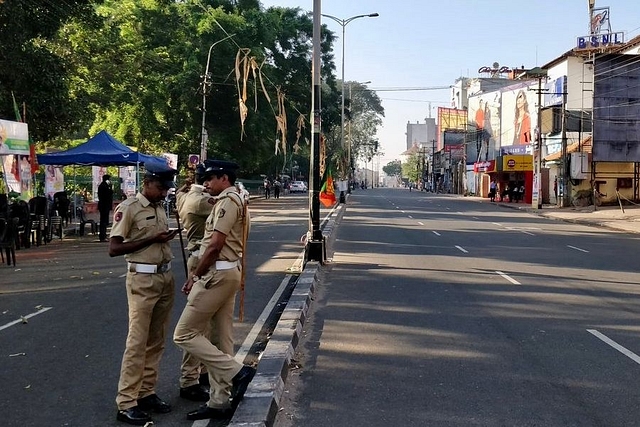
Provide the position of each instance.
(474, 217)
(448, 209)
(526, 232)
(403, 211)
(630, 354)
(459, 213)
(257, 327)
(397, 207)
(410, 217)
(420, 223)
(28, 316)
(462, 249)
(578, 249)
(436, 233)
(509, 278)
(497, 223)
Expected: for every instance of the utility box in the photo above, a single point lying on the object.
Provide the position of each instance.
(580, 166)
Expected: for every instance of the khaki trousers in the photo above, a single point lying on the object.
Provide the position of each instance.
(211, 302)
(191, 368)
(150, 298)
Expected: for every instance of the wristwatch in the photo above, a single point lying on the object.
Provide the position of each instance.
(195, 278)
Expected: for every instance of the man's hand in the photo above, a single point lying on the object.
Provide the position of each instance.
(186, 288)
(165, 236)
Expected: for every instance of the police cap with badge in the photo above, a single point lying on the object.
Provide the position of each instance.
(161, 173)
(219, 167)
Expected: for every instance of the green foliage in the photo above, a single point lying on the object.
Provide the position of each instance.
(135, 69)
(393, 168)
(411, 168)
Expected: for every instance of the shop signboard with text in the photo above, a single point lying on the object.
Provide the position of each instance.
(517, 163)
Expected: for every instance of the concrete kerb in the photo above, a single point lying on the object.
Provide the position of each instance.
(262, 399)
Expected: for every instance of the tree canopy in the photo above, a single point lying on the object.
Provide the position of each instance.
(138, 70)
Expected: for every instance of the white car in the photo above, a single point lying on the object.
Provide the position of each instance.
(298, 187)
(243, 191)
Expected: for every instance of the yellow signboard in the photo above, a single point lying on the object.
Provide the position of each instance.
(517, 163)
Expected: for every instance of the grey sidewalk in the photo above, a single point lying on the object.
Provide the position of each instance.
(610, 217)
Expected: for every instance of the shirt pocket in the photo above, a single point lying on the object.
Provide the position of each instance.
(147, 224)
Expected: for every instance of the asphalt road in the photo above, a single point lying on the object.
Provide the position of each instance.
(442, 311)
(61, 367)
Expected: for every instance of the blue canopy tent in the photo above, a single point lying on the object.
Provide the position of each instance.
(100, 150)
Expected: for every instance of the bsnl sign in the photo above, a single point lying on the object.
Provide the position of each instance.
(597, 41)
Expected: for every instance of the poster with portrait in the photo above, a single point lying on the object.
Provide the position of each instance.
(128, 180)
(96, 174)
(53, 180)
(484, 118)
(519, 118)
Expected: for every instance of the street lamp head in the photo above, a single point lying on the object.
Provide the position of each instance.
(373, 15)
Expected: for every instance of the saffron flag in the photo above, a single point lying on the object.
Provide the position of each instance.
(328, 193)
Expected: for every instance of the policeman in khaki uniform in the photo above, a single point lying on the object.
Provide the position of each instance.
(211, 291)
(141, 233)
(194, 208)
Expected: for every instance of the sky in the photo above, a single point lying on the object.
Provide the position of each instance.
(428, 44)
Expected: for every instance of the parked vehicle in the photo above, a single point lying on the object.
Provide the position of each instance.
(298, 187)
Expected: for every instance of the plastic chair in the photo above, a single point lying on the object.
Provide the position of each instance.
(38, 206)
(84, 221)
(55, 227)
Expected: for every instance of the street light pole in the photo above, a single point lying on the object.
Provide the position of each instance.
(344, 23)
(205, 84)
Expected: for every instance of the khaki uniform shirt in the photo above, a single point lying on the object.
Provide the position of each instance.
(226, 217)
(180, 196)
(136, 219)
(196, 207)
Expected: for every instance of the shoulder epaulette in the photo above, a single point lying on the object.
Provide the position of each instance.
(129, 201)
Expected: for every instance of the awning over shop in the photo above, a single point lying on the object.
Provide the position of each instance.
(585, 146)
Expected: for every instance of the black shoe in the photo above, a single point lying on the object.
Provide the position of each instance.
(195, 392)
(240, 383)
(153, 403)
(204, 380)
(204, 412)
(134, 416)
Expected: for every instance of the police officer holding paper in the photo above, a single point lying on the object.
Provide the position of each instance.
(141, 233)
(211, 291)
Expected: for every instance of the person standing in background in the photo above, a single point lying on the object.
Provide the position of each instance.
(105, 203)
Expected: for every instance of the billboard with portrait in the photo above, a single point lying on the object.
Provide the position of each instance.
(616, 109)
(519, 118)
(484, 124)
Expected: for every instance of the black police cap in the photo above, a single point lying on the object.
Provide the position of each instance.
(200, 168)
(219, 166)
(162, 173)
